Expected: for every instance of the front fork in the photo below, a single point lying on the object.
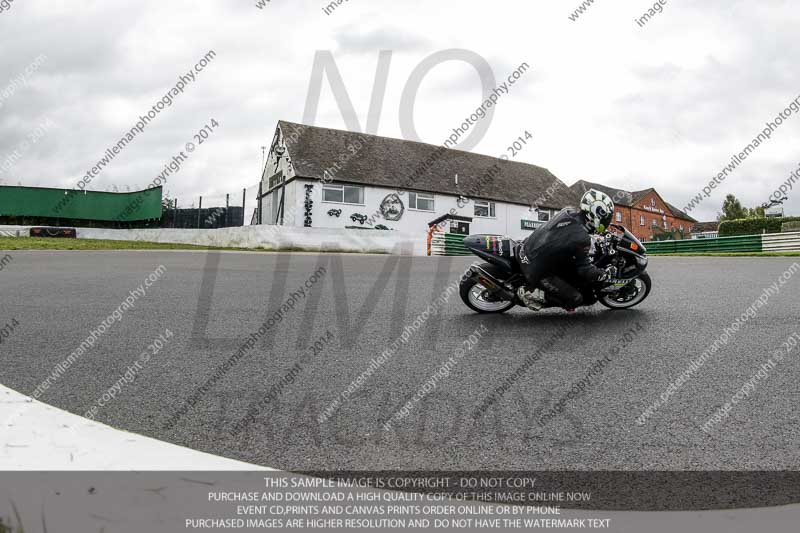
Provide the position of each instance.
(618, 284)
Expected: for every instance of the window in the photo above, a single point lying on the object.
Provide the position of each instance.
(641, 220)
(419, 201)
(619, 216)
(343, 194)
(353, 195)
(544, 216)
(655, 222)
(665, 224)
(653, 202)
(484, 209)
(681, 228)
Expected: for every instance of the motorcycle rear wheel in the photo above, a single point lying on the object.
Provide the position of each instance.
(477, 298)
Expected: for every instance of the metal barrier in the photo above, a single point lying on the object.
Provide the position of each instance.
(769, 242)
(781, 242)
(448, 244)
(744, 243)
(452, 244)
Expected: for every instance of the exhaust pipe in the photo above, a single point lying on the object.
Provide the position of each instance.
(491, 282)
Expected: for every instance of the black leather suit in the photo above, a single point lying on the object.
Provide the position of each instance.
(555, 258)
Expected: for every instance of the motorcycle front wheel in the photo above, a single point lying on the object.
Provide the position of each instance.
(632, 294)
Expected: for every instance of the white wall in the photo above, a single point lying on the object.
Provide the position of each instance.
(290, 200)
(506, 222)
(262, 236)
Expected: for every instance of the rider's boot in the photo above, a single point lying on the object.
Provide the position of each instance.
(533, 300)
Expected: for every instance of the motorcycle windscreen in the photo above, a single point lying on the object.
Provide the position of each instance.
(630, 241)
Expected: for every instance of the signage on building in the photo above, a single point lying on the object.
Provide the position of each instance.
(275, 179)
(653, 209)
(458, 227)
(531, 224)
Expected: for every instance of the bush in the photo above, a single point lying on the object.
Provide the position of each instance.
(790, 226)
(753, 226)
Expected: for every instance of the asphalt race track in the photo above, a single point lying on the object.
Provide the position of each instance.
(213, 302)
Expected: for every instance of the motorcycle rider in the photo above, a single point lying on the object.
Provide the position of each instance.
(555, 258)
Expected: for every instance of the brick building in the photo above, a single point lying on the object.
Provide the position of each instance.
(645, 213)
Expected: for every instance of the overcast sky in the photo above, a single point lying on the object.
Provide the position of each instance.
(665, 105)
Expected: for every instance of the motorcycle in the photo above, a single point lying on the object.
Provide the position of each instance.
(492, 287)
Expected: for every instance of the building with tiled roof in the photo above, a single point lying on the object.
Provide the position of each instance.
(645, 213)
(321, 177)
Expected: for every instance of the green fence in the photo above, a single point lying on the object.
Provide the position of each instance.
(745, 243)
(80, 205)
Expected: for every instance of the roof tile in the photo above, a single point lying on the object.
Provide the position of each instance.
(397, 163)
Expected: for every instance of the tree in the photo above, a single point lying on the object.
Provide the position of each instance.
(167, 203)
(732, 209)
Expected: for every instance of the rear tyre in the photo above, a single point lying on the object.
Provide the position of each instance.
(625, 299)
(478, 298)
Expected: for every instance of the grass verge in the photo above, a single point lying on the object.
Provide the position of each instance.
(40, 243)
(36, 243)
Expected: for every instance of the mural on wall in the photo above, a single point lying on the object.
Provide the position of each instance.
(358, 217)
(335, 213)
(392, 207)
(309, 204)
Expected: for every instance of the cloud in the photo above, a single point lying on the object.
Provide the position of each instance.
(356, 40)
(608, 101)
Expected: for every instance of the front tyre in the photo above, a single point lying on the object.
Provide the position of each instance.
(479, 299)
(632, 294)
